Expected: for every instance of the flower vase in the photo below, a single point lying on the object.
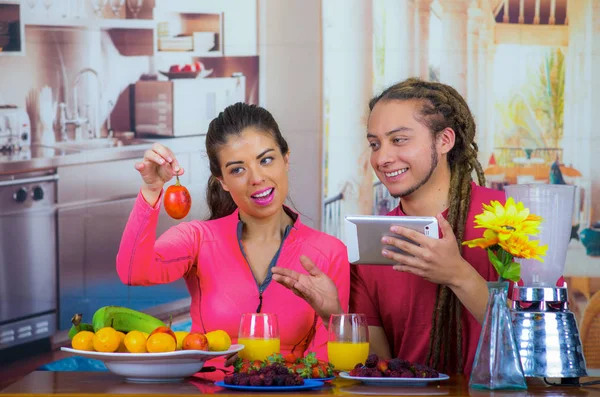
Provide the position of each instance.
(497, 363)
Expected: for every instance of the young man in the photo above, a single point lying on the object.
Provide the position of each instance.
(423, 150)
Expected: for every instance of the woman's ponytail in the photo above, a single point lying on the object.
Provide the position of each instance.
(219, 201)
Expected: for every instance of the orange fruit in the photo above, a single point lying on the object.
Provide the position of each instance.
(160, 343)
(106, 340)
(83, 340)
(135, 342)
(180, 335)
(121, 348)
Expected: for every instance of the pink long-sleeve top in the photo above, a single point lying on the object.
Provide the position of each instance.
(209, 256)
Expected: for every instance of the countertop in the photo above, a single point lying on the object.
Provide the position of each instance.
(39, 157)
(103, 383)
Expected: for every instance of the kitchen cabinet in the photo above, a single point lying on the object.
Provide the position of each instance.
(12, 35)
(234, 22)
(94, 202)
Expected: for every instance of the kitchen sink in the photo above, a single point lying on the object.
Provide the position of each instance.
(100, 143)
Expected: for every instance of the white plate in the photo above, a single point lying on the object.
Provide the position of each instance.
(155, 367)
(391, 390)
(394, 381)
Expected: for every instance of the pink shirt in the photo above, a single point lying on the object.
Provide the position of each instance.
(403, 303)
(207, 255)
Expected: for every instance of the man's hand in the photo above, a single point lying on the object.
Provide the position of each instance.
(316, 288)
(436, 260)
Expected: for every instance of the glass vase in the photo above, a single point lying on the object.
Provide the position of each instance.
(497, 363)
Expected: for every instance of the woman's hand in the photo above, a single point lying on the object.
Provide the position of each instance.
(230, 359)
(436, 260)
(157, 167)
(316, 288)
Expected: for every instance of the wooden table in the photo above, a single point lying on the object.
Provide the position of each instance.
(104, 383)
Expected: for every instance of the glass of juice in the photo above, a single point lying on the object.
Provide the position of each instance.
(259, 333)
(348, 342)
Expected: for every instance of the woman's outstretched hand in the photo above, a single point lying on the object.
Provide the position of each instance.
(316, 288)
(157, 167)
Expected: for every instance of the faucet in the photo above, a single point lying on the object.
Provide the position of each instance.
(64, 121)
(77, 120)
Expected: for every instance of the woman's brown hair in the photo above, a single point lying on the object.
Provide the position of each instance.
(441, 107)
(231, 122)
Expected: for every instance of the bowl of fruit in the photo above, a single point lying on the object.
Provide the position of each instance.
(187, 71)
(144, 349)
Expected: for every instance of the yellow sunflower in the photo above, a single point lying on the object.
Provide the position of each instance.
(519, 246)
(489, 239)
(510, 219)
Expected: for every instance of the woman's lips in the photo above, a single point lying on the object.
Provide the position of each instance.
(264, 197)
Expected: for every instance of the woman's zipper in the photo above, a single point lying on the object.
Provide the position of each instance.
(262, 287)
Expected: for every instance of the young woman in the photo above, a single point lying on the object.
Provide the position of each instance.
(227, 260)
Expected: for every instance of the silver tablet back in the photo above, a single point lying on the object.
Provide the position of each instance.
(363, 234)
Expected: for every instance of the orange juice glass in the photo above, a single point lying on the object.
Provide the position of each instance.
(348, 342)
(259, 333)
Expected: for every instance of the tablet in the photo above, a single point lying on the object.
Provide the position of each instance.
(363, 234)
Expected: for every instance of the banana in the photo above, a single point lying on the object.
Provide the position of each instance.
(124, 319)
(78, 325)
(81, 327)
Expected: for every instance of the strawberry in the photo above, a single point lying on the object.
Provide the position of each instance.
(382, 365)
(256, 365)
(317, 372)
(310, 359)
(326, 368)
(275, 358)
(304, 372)
(241, 365)
(290, 358)
(290, 366)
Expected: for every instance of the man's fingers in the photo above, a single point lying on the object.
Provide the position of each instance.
(405, 246)
(446, 227)
(402, 259)
(409, 269)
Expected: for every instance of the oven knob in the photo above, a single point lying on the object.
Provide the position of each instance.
(38, 193)
(20, 195)
(24, 136)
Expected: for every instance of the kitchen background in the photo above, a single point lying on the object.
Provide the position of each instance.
(87, 85)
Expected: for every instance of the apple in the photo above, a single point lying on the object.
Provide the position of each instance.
(166, 330)
(195, 341)
(175, 69)
(188, 68)
(199, 66)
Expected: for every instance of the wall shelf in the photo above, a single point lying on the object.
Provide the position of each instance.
(92, 23)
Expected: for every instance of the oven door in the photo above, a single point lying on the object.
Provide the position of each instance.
(28, 273)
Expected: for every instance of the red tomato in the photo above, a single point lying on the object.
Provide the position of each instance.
(177, 201)
(175, 69)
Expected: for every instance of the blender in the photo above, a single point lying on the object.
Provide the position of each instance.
(545, 329)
